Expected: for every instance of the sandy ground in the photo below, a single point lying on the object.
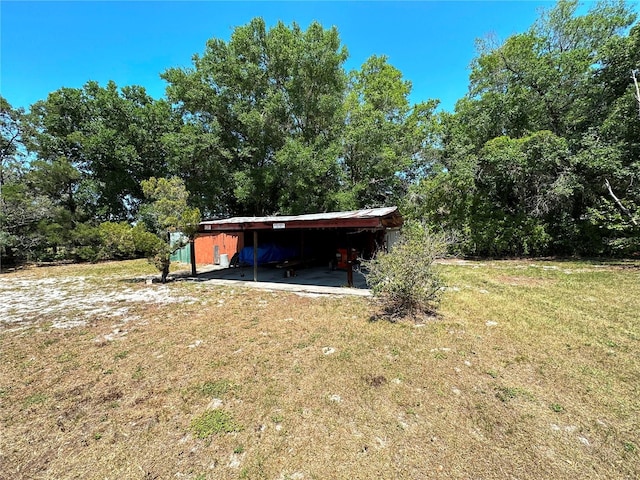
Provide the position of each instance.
(75, 300)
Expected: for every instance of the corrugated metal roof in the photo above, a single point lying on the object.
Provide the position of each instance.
(352, 214)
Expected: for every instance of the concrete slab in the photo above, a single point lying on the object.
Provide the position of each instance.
(315, 280)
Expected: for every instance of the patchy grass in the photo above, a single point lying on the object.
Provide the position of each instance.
(213, 422)
(214, 389)
(530, 371)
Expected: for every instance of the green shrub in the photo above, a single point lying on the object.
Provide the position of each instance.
(146, 243)
(85, 253)
(84, 246)
(405, 280)
(497, 233)
(116, 241)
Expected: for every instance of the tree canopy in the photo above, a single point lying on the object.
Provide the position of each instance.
(270, 101)
(535, 156)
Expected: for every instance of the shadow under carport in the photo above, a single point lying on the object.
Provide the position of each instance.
(316, 275)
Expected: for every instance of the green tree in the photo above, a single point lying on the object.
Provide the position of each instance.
(54, 135)
(385, 137)
(196, 155)
(542, 79)
(542, 155)
(619, 106)
(92, 147)
(20, 208)
(9, 138)
(264, 97)
(122, 142)
(106, 141)
(166, 212)
(528, 186)
(10, 130)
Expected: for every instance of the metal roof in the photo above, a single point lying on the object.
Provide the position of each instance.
(367, 218)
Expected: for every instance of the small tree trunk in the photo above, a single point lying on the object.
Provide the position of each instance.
(165, 273)
(635, 83)
(619, 203)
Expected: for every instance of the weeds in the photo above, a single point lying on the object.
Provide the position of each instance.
(34, 399)
(138, 374)
(214, 422)
(504, 394)
(216, 388)
(65, 357)
(121, 355)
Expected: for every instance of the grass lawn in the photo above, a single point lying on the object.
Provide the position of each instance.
(531, 371)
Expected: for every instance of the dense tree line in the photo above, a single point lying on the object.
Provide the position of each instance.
(542, 156)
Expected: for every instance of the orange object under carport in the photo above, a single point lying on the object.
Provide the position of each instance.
(342, 259)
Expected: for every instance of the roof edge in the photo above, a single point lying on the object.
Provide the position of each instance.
(383, 217)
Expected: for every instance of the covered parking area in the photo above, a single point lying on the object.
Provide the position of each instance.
(307, 249)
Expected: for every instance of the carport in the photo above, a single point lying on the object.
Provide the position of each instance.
(294, 242)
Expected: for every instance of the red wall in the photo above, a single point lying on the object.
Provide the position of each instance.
(229, 243)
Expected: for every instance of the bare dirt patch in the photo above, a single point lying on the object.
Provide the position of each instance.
(72, 301)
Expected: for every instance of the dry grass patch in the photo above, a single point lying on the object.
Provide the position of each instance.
(509, 382)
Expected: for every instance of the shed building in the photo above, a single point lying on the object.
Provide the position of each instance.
(335, 238)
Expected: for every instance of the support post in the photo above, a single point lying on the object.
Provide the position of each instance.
(349, 263)
(255, 255)
(192, 251)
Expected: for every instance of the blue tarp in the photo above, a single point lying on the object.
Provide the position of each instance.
(267, 253)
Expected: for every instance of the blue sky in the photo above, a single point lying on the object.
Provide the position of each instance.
(48, 45)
